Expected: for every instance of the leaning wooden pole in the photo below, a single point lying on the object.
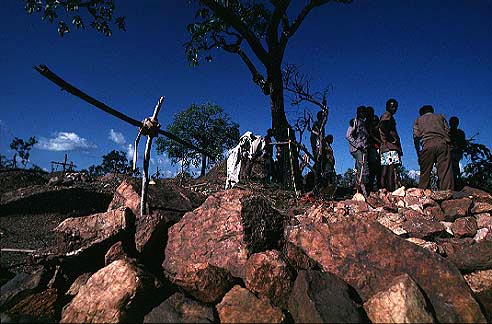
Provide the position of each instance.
(50, 75)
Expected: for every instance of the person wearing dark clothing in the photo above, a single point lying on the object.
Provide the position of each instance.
(267, 154)
(317, 135)
(433, 146)
(373, 144)
(458, 144)
(390, 150)
(328, 161)
(357, 137)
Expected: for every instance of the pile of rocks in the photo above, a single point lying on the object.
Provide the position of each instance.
(397, 257)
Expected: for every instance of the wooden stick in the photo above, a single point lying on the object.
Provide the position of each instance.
(145, 177)
(18, 250)
(47, 73)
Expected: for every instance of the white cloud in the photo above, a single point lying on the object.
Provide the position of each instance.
(65, 141)
(117, 137)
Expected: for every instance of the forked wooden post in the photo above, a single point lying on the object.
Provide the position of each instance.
(150, 128)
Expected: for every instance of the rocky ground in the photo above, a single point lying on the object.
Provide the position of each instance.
(255, 253)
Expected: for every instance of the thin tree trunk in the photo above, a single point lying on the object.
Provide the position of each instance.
(280, 127)
(204, 165)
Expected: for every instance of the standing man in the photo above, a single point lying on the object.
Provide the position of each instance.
(328, 161)
(433, 145)
(373, 144)
(390, 150)
(317, 135)
(458, 144)
(357, 138)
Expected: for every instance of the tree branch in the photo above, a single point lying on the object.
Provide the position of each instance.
(279, 12)
(232, 19)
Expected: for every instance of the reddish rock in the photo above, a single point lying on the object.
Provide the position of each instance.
(240, 305)
(435, 212)
(475, 257)
(482, 234)
(484, 220)
(415, 192)
(79, 282)
(42, 306)
(96, 232)
(224, 232)
(464, 227)
(402, 302)
(481, 284)
(477, 193)
(392, 221)
(298, 259)
(368, 256)
(481, 207)
(376, 201)
(441, 195)
(422, 228)
(427, 202)
(450, 246)
(23, 285)
(126, 196)
(430, 246)
(180, 309)
(321, 297)
(115, 252)
(353, 206)
(204, 281)
(114, 294)
(268, 274)
(456, 208)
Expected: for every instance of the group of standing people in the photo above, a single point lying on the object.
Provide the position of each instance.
(375, 145)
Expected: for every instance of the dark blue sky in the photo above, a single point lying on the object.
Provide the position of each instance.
(419, 52)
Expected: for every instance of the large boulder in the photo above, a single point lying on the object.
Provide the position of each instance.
(321, 297)
(269, 275)
(475, 257)
(114, 294)
(180, 309)
(223, 232)
(368, 256)
(167, 203)
(402, 302)
(421, 227)
(96, 233)
(240, 305)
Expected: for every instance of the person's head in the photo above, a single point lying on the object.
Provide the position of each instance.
(361, 111)
(329, 139)
(369, 111)
(352, 122)
(426, 109)
(319, 115)
(454, 122)
(391, 106)
(269, 132)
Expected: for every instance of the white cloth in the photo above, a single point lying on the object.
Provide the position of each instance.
(250, 145)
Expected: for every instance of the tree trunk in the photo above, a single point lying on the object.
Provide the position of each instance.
(204, 165)
(280, 126)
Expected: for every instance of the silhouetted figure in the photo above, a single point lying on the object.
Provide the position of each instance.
(328, 161)
(373, 144)
(317, 135)
(390, 150)
(357, 137)
(458, 144)
(267, 154)
(433, 146)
